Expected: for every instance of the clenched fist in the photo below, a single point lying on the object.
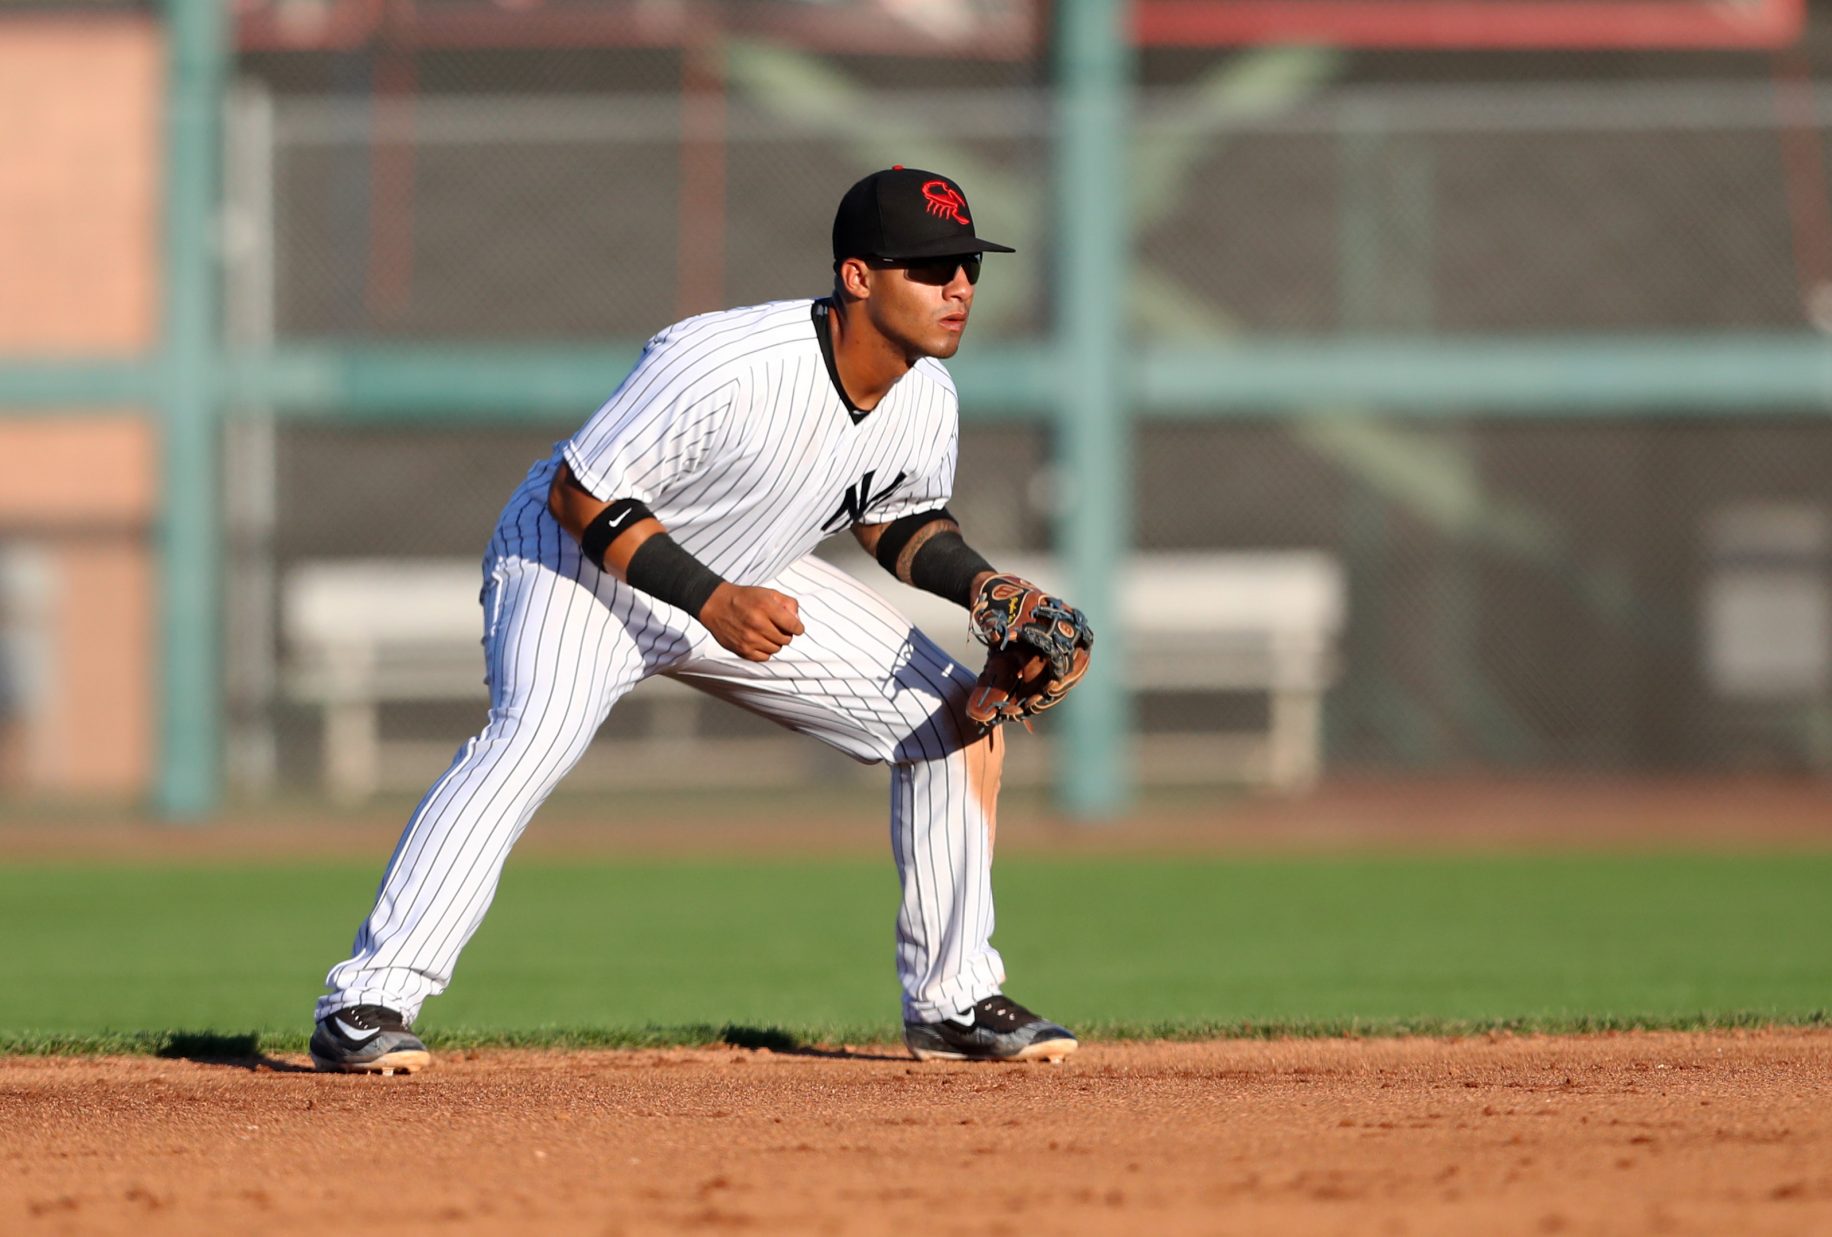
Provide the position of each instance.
(754, 623)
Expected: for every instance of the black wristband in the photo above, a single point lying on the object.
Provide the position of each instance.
(610, 524)
(946, 566)
(668, 573)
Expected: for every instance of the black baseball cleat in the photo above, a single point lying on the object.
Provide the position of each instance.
(367, 1039)
(996, 1029)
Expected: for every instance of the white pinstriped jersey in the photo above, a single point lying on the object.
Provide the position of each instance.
(732, 429)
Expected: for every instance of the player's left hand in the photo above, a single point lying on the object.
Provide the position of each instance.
(1040, 647)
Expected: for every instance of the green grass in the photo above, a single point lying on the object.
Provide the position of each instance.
(225, 961)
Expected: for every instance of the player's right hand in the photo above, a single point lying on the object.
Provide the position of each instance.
(754, 623)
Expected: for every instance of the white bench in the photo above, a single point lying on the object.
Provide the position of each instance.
(362, 633)
(1203, 622)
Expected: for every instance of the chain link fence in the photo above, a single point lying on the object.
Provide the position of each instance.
(1526, 592)
(1525, 589)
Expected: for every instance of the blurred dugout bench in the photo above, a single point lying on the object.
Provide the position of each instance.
(360, 634)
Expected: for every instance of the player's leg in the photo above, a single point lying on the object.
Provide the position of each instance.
(862, 679)
(557, 657)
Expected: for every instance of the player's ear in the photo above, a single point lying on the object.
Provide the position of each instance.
(853, 277)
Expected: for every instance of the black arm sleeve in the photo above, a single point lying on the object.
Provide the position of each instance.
(662, 569)
(944, 564)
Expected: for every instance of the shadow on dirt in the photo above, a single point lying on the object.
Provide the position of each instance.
(773, 1039)
(236, 1051)
(243, 1050)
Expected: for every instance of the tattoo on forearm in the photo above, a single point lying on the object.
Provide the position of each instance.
(921, 538)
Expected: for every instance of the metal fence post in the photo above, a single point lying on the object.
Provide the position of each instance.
(1094, 71)
(189, 533)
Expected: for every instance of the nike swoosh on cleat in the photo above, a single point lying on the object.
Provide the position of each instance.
(351, 1032)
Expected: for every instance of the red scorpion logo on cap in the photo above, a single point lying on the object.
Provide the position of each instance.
(945, 199)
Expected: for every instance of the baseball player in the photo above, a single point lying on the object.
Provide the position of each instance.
(672, 535)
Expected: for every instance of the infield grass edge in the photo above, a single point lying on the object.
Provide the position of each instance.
(252, 1045)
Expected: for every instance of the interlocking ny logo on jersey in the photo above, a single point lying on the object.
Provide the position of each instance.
(859, 499)
(945, 199)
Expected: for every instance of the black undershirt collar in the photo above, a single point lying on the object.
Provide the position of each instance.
(822, 307)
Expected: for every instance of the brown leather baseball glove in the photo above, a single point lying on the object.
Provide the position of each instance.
(1040, 646)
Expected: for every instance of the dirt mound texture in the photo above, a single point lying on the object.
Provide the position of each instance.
(1633, 1133)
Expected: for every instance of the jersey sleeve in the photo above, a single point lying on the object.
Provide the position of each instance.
(929, 489)
(657, 428)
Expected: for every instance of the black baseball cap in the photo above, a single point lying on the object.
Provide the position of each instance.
(906, 213)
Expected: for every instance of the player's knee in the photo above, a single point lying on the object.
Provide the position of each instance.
(523, 745)
(983, 750)
(985, 760)
(988, 751)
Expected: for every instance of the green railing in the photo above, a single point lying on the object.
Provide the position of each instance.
(1092, 381)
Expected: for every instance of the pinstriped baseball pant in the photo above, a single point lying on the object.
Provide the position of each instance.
(563, 643)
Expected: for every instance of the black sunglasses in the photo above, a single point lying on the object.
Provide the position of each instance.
(938, 272)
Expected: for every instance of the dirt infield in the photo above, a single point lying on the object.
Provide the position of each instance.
(1640, 1133)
